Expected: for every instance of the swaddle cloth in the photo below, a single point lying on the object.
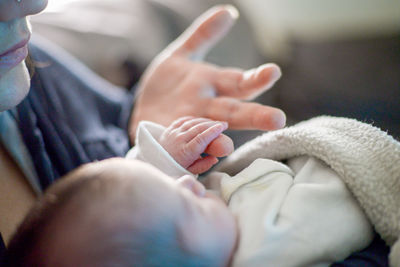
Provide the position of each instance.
(366, 158)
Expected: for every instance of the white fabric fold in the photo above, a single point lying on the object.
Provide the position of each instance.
(366, 158)
(300, 214)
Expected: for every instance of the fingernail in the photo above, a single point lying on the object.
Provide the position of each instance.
(279, 119)
(274, 72)
(232, 11)
(225, 124)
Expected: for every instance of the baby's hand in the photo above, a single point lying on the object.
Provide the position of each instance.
(188, 137)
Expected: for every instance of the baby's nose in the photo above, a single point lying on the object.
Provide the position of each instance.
(191, 183)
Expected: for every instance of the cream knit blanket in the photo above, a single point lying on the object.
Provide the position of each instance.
(367, 159)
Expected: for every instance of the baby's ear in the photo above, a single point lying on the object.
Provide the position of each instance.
(221, 146)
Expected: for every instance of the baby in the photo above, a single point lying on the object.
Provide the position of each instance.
(124, 212)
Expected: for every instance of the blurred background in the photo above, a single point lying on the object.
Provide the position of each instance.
(338, 58)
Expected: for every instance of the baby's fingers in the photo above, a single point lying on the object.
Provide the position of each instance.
(199, 127)
(202, 164)
(200, 142)
(179, 122)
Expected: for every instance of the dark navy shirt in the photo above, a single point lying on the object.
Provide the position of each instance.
(71, 116)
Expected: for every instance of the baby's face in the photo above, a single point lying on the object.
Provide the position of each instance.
(129, 204)
(205, 224)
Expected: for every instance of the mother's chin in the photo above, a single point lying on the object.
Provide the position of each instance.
(14, 86)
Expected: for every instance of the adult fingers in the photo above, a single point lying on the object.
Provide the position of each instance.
(257, 81)
(221, 146)
(246, 84)
(205, 32)
(245, 115)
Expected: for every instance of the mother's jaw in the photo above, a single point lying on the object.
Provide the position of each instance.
(14, 86)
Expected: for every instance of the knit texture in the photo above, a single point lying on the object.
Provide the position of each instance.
(366, 158)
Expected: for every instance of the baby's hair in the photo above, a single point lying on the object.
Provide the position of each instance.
(88, 188)
(24, 248)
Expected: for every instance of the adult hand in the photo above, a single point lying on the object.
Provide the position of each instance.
(178, 84)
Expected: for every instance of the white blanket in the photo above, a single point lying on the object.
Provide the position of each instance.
(366, 158)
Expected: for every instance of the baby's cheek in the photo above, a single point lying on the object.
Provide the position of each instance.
(222, 146)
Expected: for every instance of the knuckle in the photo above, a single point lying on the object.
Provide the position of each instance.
(232, 109)
(180, 137)
(187, 151)
(175, 133)
(199, 141)
(177, 123)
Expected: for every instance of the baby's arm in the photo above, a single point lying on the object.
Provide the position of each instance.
(188, 137)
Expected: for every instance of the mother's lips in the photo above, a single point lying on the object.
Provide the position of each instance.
(15, 47)
(14, 55)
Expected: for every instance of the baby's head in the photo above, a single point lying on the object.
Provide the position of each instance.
(122, 212)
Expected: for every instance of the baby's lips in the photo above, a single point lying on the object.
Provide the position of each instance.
(222, 146)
